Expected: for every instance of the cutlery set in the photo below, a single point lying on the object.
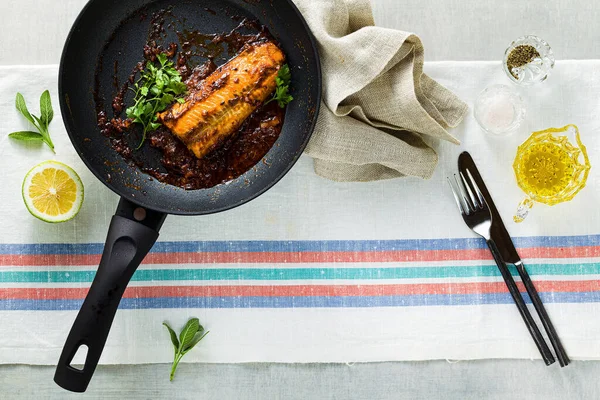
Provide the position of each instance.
(481, 216)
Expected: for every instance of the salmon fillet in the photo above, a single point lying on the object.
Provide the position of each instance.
(222, 102)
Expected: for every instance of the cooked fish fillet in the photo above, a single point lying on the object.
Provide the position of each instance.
(225, 98)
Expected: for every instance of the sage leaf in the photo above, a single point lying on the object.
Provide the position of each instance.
(189, 331)
(26, 136)
(22, 107)
(174, 339)
(197, 338)
(46, 109)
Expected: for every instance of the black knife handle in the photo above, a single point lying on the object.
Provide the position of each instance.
(518, 299)
(563, 359)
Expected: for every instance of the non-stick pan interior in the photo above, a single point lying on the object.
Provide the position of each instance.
(109, 36)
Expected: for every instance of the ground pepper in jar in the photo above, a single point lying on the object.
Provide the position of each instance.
(519, 56)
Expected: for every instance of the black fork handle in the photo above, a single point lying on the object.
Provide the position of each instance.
(518, 299)
(561, 354)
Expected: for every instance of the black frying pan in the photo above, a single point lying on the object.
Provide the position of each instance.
(115, 30)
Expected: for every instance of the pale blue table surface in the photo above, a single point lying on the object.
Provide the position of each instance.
(33, 33)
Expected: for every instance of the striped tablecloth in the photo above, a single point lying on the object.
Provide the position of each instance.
(281, 267)
(315, 271)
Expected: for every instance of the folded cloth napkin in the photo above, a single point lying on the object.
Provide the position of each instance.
(378, 103)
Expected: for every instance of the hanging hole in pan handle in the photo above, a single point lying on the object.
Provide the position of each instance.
(78, 361)
(72, 374)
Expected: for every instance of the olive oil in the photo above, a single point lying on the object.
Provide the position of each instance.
(550, 169)
(547, 169)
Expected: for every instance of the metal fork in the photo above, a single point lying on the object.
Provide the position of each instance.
(476, 214)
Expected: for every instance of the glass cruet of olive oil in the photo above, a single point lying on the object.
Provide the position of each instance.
(550, 169)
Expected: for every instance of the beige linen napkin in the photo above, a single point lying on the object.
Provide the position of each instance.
(378, 103)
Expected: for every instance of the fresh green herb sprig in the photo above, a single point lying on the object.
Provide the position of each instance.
(41, 123)
(156, 89)
(190, 335)
(282, 93)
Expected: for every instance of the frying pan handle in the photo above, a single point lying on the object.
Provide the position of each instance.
(132, 233)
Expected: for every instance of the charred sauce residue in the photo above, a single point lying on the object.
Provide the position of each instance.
(179, 166)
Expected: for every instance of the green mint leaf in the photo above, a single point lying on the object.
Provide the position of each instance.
(191, 334)
(47, 113)
(181, 100)
(38, 120)
(42, 128)
(26, 136)
(44, 133)
(22, 107)
(174, 339)
(41, 123)
(189, 331)
(48, 142)
(197, 338)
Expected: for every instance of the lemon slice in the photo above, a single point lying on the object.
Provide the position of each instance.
(53, 192)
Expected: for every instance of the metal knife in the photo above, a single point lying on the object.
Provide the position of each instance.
(499, 233)
(509, 255)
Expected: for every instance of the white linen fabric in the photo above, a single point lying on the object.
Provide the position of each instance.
(346, 272)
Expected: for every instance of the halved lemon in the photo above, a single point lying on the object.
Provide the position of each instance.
(52, 192)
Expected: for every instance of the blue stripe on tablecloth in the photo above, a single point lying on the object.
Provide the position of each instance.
(305, 246)
(304, 302)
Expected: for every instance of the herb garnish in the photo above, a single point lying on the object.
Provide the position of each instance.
(190, 335)
(41, 123)
(282, 95)
(156, 89)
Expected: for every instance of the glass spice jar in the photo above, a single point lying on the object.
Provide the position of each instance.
(499, 110)
(528, 60)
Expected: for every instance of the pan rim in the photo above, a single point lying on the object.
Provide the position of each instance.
(140, 201)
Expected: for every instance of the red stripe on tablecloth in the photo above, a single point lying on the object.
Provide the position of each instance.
(301, 257)
(301, 290)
